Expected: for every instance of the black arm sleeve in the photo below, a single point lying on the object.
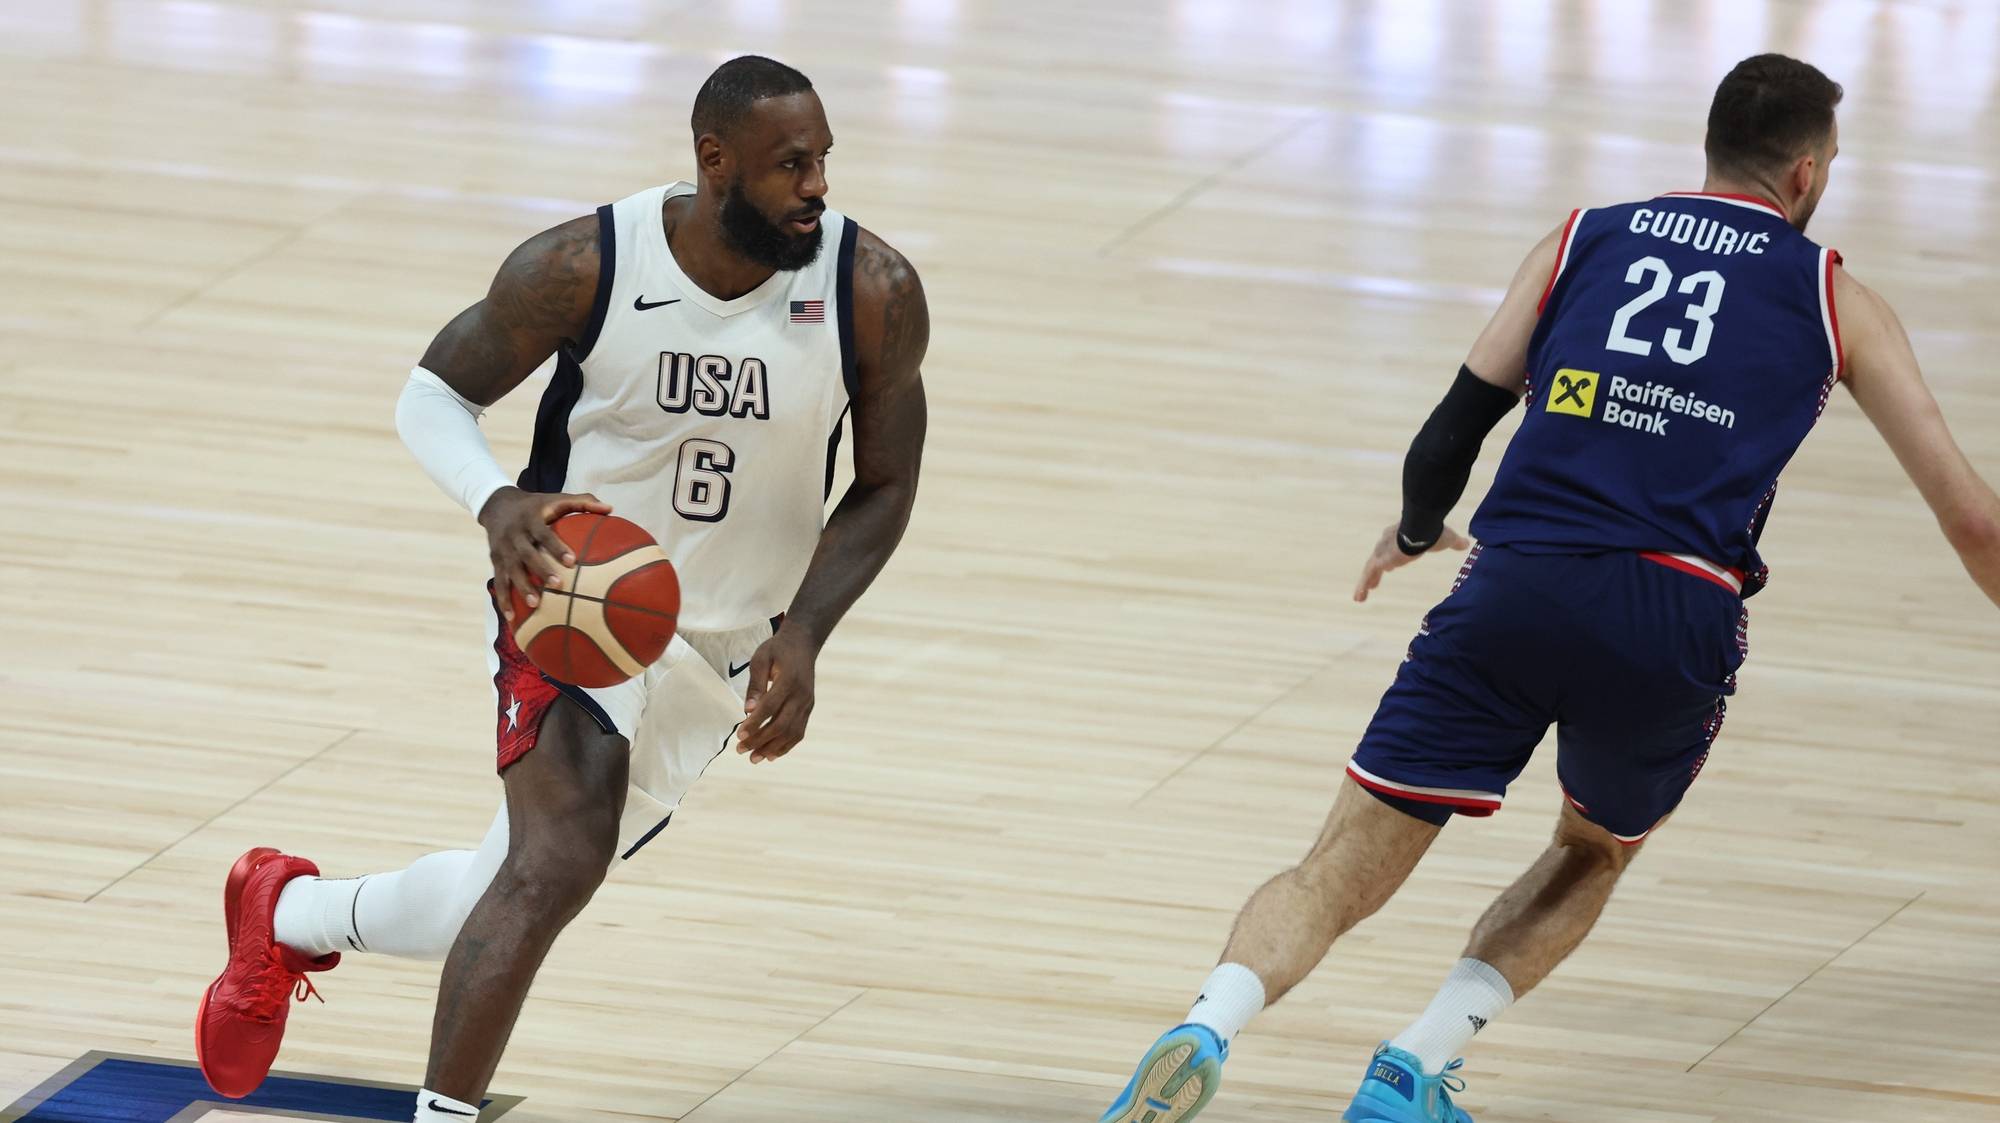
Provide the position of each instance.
(1440, 459)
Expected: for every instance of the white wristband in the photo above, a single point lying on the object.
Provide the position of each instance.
(440, 427)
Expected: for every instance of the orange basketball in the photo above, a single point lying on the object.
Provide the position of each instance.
(615, 611)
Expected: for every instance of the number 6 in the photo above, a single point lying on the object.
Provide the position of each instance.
(701, 481)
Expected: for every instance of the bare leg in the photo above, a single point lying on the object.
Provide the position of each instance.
(1530, 928)
(563, 803)
(1547, 912)
(1363, 855)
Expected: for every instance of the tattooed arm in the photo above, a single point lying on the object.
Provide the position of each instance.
(892, 329)
(539, 300)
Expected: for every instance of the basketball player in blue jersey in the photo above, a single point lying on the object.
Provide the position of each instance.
(1673, 354)
(709, 337)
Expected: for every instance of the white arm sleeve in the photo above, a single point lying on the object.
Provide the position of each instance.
(441, 429)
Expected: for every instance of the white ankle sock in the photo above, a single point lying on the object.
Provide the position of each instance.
(1231, 997)
(1473, 995)
(316, 915)
(434, 1108)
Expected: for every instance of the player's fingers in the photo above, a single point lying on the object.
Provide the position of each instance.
(542, 568)
(750, 737)
(792, 723)
(1371, 576)
(560, 505)
(520, 580)
(757, 721)
(794, 735)
(528, 567)
(1453, 540)
(767, 722)
(502, 591)
(760, 678)
(534, 554)
(780, 737)
(772, 732)
(787, 727)
(551, 543)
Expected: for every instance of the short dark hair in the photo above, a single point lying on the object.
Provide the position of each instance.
(1769, 111)
(738, 84)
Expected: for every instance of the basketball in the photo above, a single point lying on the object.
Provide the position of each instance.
(615, 611)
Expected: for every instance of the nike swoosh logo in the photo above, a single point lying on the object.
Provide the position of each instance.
(735, 670)
(436, 1106)
(640, 303)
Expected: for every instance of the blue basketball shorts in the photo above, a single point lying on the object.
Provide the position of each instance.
(1629, 656)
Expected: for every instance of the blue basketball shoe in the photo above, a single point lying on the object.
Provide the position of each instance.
(1397, 1091)
(1176, 1080)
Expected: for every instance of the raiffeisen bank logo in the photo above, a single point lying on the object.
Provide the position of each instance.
(1647, 407)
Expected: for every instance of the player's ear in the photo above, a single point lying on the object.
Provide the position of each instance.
(710, 157)
(1803, 170)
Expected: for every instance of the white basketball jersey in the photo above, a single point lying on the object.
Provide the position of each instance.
(710, 423)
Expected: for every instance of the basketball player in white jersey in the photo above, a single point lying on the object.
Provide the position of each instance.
(709, 338)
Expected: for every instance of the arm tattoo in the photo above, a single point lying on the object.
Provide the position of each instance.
(890, 417)
(889, 423)
(544, 284)
(539, 300)
(906, 321)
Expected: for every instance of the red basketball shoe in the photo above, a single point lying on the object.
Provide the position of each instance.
(242, 1018)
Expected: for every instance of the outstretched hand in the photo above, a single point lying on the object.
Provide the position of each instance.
(1387, 555)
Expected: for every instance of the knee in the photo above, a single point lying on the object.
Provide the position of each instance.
(1591, 851)
(554, 873)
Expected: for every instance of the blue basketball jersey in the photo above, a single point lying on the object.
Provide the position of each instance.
(1686, 346)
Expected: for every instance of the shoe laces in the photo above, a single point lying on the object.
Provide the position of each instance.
(272, 988)
(1447, 1082)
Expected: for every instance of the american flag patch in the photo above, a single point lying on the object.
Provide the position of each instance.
(808, 311)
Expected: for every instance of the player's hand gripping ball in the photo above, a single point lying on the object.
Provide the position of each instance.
(613, 613)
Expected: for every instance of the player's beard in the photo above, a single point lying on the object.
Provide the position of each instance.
(767, 243)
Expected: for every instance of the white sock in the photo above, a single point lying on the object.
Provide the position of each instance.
(1473, 995)
(414, 913)
(316, 915)
(1232, 996)
(434, 1108)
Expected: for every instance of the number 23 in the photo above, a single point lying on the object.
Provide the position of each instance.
(1703, 314)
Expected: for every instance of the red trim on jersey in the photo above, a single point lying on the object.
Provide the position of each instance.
(1833, 258)
(1757, 199)
(1672, 562)
(1562, 256)
(1468, 805)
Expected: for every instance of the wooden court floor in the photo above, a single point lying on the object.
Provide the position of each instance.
(1198, 268)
